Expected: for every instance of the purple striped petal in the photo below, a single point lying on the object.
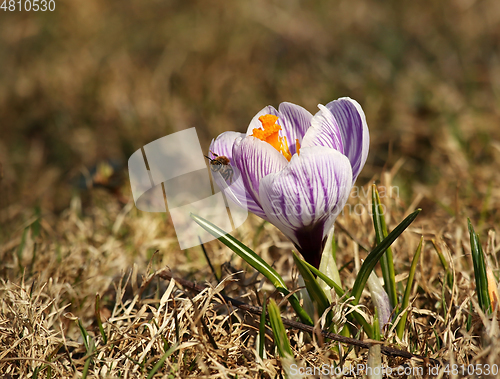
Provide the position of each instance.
(354, 130)
(324, 131)
(223, 144)
(256, 159)
(295, 121)
(234, 189)
(304, 199)
(236, 192)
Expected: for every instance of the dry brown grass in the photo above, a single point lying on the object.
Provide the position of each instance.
(96, 80)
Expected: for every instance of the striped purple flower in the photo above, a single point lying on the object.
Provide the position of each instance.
(296, 170)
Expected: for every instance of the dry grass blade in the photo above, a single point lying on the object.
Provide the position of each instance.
(165, 274)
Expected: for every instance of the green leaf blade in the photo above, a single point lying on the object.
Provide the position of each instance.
(249, 256)
(409, 286)
(312, 286)
(280, 336)
(340, 292)
(98, 318)
(386, 262)
(161, 361)
(372, 258)
(479, 269)
(262, 328)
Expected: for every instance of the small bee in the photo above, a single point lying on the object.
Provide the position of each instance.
(222, 165)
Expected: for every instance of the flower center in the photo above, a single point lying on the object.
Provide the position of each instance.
(270, 134)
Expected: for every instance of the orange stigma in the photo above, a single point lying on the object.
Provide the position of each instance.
(297, 146)
(270, 134)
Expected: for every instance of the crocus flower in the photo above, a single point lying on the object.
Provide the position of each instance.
(296, 170)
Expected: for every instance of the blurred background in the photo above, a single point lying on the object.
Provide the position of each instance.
(83, 87)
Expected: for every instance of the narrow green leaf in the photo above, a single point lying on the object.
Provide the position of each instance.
(280, 336)
(160, 363)
(469, 317)
(438, 339)
(262, 328)
(98, 318)
(386, 262)
(256, 262)
(137, 363)
(85, 336)
(444, 263)
(340, 292)
(312, 286)
(409, 286)
(372, 258)
(208, 261)
(440, 254)
(334, 248)
(49, 359)
(89, 346)
(330, 282)
(86, 367)
(479, 270)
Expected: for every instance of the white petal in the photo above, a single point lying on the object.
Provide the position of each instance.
(234, 188)
(295, 121)
(324, 131)
(256, 159)
(354, 130)
(223, 144)
(304, 199)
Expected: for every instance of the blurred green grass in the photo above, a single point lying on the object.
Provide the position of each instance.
(96, 80)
